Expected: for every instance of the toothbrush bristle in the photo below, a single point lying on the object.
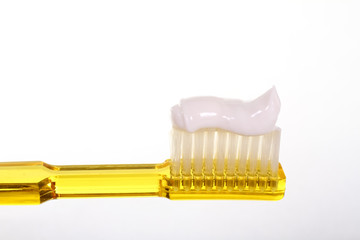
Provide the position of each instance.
(215, 159)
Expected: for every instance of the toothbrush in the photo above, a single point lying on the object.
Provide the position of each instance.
(220, 149)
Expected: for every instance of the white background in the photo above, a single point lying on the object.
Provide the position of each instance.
(93, 82)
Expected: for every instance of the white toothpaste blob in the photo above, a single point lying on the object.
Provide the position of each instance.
(256, 117)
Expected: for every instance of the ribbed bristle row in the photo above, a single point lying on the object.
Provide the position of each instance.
(214, 158)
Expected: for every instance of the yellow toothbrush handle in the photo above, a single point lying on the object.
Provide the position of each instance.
(37, 182)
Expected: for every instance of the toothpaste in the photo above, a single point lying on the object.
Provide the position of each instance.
(256, 117)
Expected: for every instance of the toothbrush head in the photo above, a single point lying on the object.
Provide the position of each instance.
(226, 157)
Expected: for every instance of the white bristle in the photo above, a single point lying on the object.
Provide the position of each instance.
(198, 152)
(232, 153)
(244, 153)
(275, 149)
(186, 153)
(209, 142)
(265, 153)
(253, 154)
(176, 151)
(221, 156)
(218, 153)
